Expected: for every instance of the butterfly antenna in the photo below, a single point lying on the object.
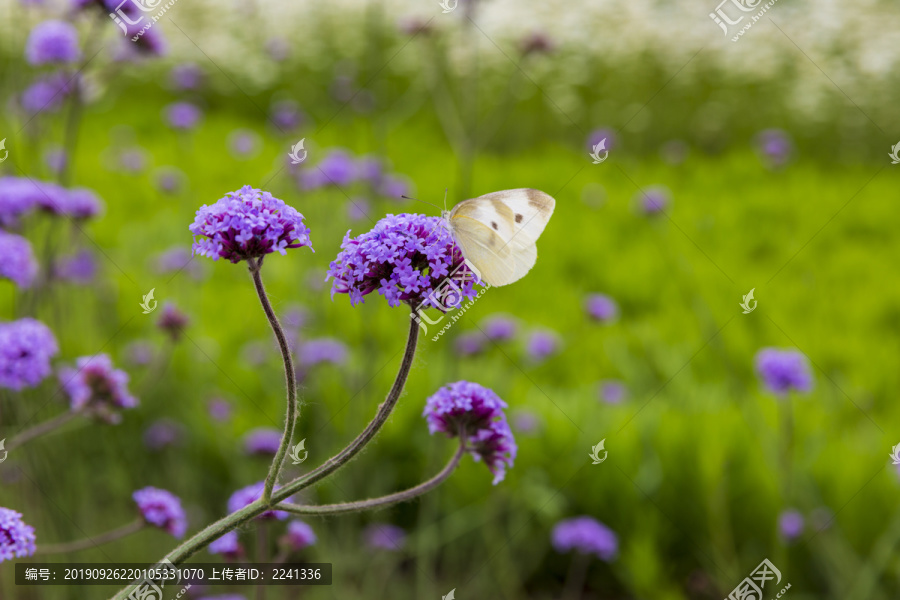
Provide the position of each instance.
(445, 199)
(426, 202)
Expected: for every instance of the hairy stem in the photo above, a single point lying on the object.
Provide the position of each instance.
(383, 501)
(91, 542)
(290, 376)
(384, 411)
(41, 429)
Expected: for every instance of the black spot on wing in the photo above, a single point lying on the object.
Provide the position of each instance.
(519, 218)
(495, 226)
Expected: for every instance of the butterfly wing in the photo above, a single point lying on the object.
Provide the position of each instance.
(497, 232)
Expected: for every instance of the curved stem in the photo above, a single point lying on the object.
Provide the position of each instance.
(384, 411)
(290, 376)
(40, 429)
(103, 538)
(373, 503)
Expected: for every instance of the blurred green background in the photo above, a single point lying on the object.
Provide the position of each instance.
(495, 95)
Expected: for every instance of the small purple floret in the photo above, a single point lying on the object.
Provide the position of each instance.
(384, 536)
(585, 535)
(299, 535)
(26, 347)
(18, 264)
(783, 370)
(250, 494)
(162, 509)
(16, 538)
(263, 440)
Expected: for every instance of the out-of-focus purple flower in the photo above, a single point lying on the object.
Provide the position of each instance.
(162, 434)
(16, 537)
(262, 440)
(406, 258)
(219, 409)
(542, 344)
(79, 268)
(81, 203)
(295, 317)
(674, 152)
(246, 496)
(370, 169)
(96, 388)
(790, 524)
(172, 321)
(186, 76)
(139, 352)
(246, 224)
(775, 147)
(336, 168)
(612, 391)
(358, 209)
(132, 160)
(585, 535)
(26, 347)
(139, 45)
(18, 263)
(783, 370)
(162, 509)
(169, 180)
(470, 343)
(479, 412)
(322, 350)
(299, 535)
(384, 536)
(537, 42)
(278, 49)
(46, 94)
(601, 307)
(525, 421)
(499, 327)
(393, 186)
(17, 199)
(52, 42)
(182, 115)
(56, 160)
(598, 135)
(415, 26)
(244, 144)
(228, 545)
(653, 200)
(177, 259)
(285, 115)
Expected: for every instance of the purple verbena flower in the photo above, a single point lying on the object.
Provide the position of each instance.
(470, 343)
(82, 203)
(79, 268)
(525, 421)
(537, 42)
(322, 350)
(406, 258)
(182, 115)
(244, 143)
(18, 264)
(132, 160)
(16, 538)
(47, 93)
(295, 317)
(219, 409)
(336, 168)
(169, 180)
(384, 536)
(228, 545)
(26, 347)
(783, 370)
(285, 115)
(262, 440)
(172, 321)
(790, 524)
(52, 42)
(394, 186)
(56, 160)
(585, 535)
(542, 344)
(186, 76)
(299, 535)
(599, 135)
(163, 433)
(358, 209)
(612, 391)
(17, 199)
(775, 147)
(250, 494)
(369, 169)
(246, 224)
(95, 387)
(479, 412)
(601, 307)
(653, 200)
(139, 352)
(162, 509)
(177, 259)
(499, 327)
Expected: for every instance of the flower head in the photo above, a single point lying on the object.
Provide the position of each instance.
(525, 421)
(336, 168)
(250, 494)
(16, 538)
(228, 545)
(26, 347)
(52, 42)
(245, 224)
(775, 147)
(406, 258)
(783, 370)
(163, 433)
(219, 409)
(172, 321)
(161, 509)
(263, 440)
(790, 524)
(18, 264)
(653, 200)
(79, 268)
(601, 307)
(56, 160)
(81, 203)
(598, 135)
(322, 350)
(186, 76)
(499, 327)
(244, 143)
(182, 115)
(46, 94)
(479, 412)
(286, 115)
(469, 343)
(612, 391)
(17, 199)
(97, 388)
(299, 535)
(585, 535)
(542, 344)
(384, 536)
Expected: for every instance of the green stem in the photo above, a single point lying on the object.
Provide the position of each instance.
(40, 429)
(383, 501)
(91, 542)
(290, 376)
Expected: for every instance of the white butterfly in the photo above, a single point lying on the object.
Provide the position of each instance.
(497, 232)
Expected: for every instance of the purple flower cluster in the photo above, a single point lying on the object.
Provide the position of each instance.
(16, 537)
(322, 350)
(479, 412)
(177, 259)
(228, 545)
(250, 494)
(26, 347)
(97, 388)
(263, 440)
(52, 42)
(499, 327)
(161, 509)
(163, 433)
(384, 536)
(186, 76)
(775, 147)
(79, 268)
(299, 535)
(172, 321)
(653, 200)
(406, 258)
(542, 344)
(612, 391)
(585, 535)
(20, 195)
(791, 524)
(47, 93)
(245, 224)
(182, 115)
(18, 264)
(783, 370)
(340, 168)
(285, 115)
(470, 343)
(601, 307)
